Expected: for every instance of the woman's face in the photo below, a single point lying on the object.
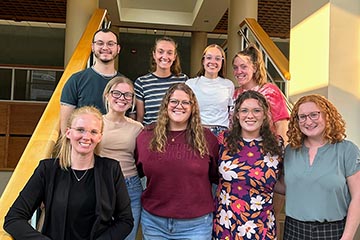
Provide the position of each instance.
(120, 98)
(84, 134)
(164, 55)
(212, 62)
(251, 117)
(243, 71)
(311, 120)
(179, 110)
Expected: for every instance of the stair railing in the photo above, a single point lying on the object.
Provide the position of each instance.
(47, 131)
(275, 61)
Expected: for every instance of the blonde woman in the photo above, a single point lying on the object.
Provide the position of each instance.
(84, 195)
(119, 138)
(213, 91)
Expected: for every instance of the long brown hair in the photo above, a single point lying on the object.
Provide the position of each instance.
(269, 140)
(194, 131)
(176, 66)
(334, 123)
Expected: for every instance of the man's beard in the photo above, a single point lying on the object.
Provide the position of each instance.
(105, 61)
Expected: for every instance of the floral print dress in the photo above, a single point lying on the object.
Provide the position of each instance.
(244, 208)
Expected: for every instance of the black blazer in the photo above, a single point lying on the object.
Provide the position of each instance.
(113, 212)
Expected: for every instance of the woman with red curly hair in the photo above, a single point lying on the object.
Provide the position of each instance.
(321, 174)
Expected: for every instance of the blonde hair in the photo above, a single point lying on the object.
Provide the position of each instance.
(222, 72)
(65, 147)
(256, 59)
(334, 123)
(114, 82)
(194, 132)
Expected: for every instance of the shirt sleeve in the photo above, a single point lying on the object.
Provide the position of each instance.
(231, 98)
(69, 94)
(276, 101)
(351, 158)
(138, 88)
(17, 219)
(123, 221)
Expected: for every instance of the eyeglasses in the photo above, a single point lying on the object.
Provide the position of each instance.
(210, 57)
(255, 111)
(174, 103)
(101, 44)
(83, 131)
(117, 94)
(312, 116)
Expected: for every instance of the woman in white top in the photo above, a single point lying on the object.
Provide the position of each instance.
(213, 91)
(119, 137)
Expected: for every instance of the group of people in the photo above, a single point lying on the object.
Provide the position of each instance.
(188, 136)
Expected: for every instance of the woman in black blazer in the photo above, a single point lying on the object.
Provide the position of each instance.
(84, 195)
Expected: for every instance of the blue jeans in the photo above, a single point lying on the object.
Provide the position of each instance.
(159, 228)
(134, 188)
(216, 130)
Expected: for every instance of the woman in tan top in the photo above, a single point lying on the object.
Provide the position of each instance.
(119, 138)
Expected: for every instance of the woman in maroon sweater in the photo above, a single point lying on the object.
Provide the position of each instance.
(179, 158)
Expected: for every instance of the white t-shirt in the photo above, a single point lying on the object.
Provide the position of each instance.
(214, 96)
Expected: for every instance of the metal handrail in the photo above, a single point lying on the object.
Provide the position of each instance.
(252, 32)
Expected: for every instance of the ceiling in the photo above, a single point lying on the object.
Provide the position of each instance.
(186, 15)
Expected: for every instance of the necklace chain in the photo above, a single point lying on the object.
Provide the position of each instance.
(103, 74)
(173, 138)
(77, 178)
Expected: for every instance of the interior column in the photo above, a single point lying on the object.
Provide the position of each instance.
(78, 14)
(238, 11)
(324, 55)
(198, 44)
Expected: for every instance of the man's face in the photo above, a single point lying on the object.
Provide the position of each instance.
(105, 47)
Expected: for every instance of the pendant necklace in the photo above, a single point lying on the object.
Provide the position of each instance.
(79, 179)
(173, 138)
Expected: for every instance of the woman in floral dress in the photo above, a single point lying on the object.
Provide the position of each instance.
(249, 166)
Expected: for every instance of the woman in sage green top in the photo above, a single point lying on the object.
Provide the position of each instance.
(321, 174)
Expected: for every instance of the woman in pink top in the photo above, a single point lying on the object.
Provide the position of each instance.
(250, 73)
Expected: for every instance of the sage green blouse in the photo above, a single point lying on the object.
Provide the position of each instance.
(319, 192)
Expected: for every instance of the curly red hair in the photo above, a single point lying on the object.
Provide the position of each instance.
(334, 123)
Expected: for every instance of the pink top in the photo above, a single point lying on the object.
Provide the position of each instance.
(275, 99)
